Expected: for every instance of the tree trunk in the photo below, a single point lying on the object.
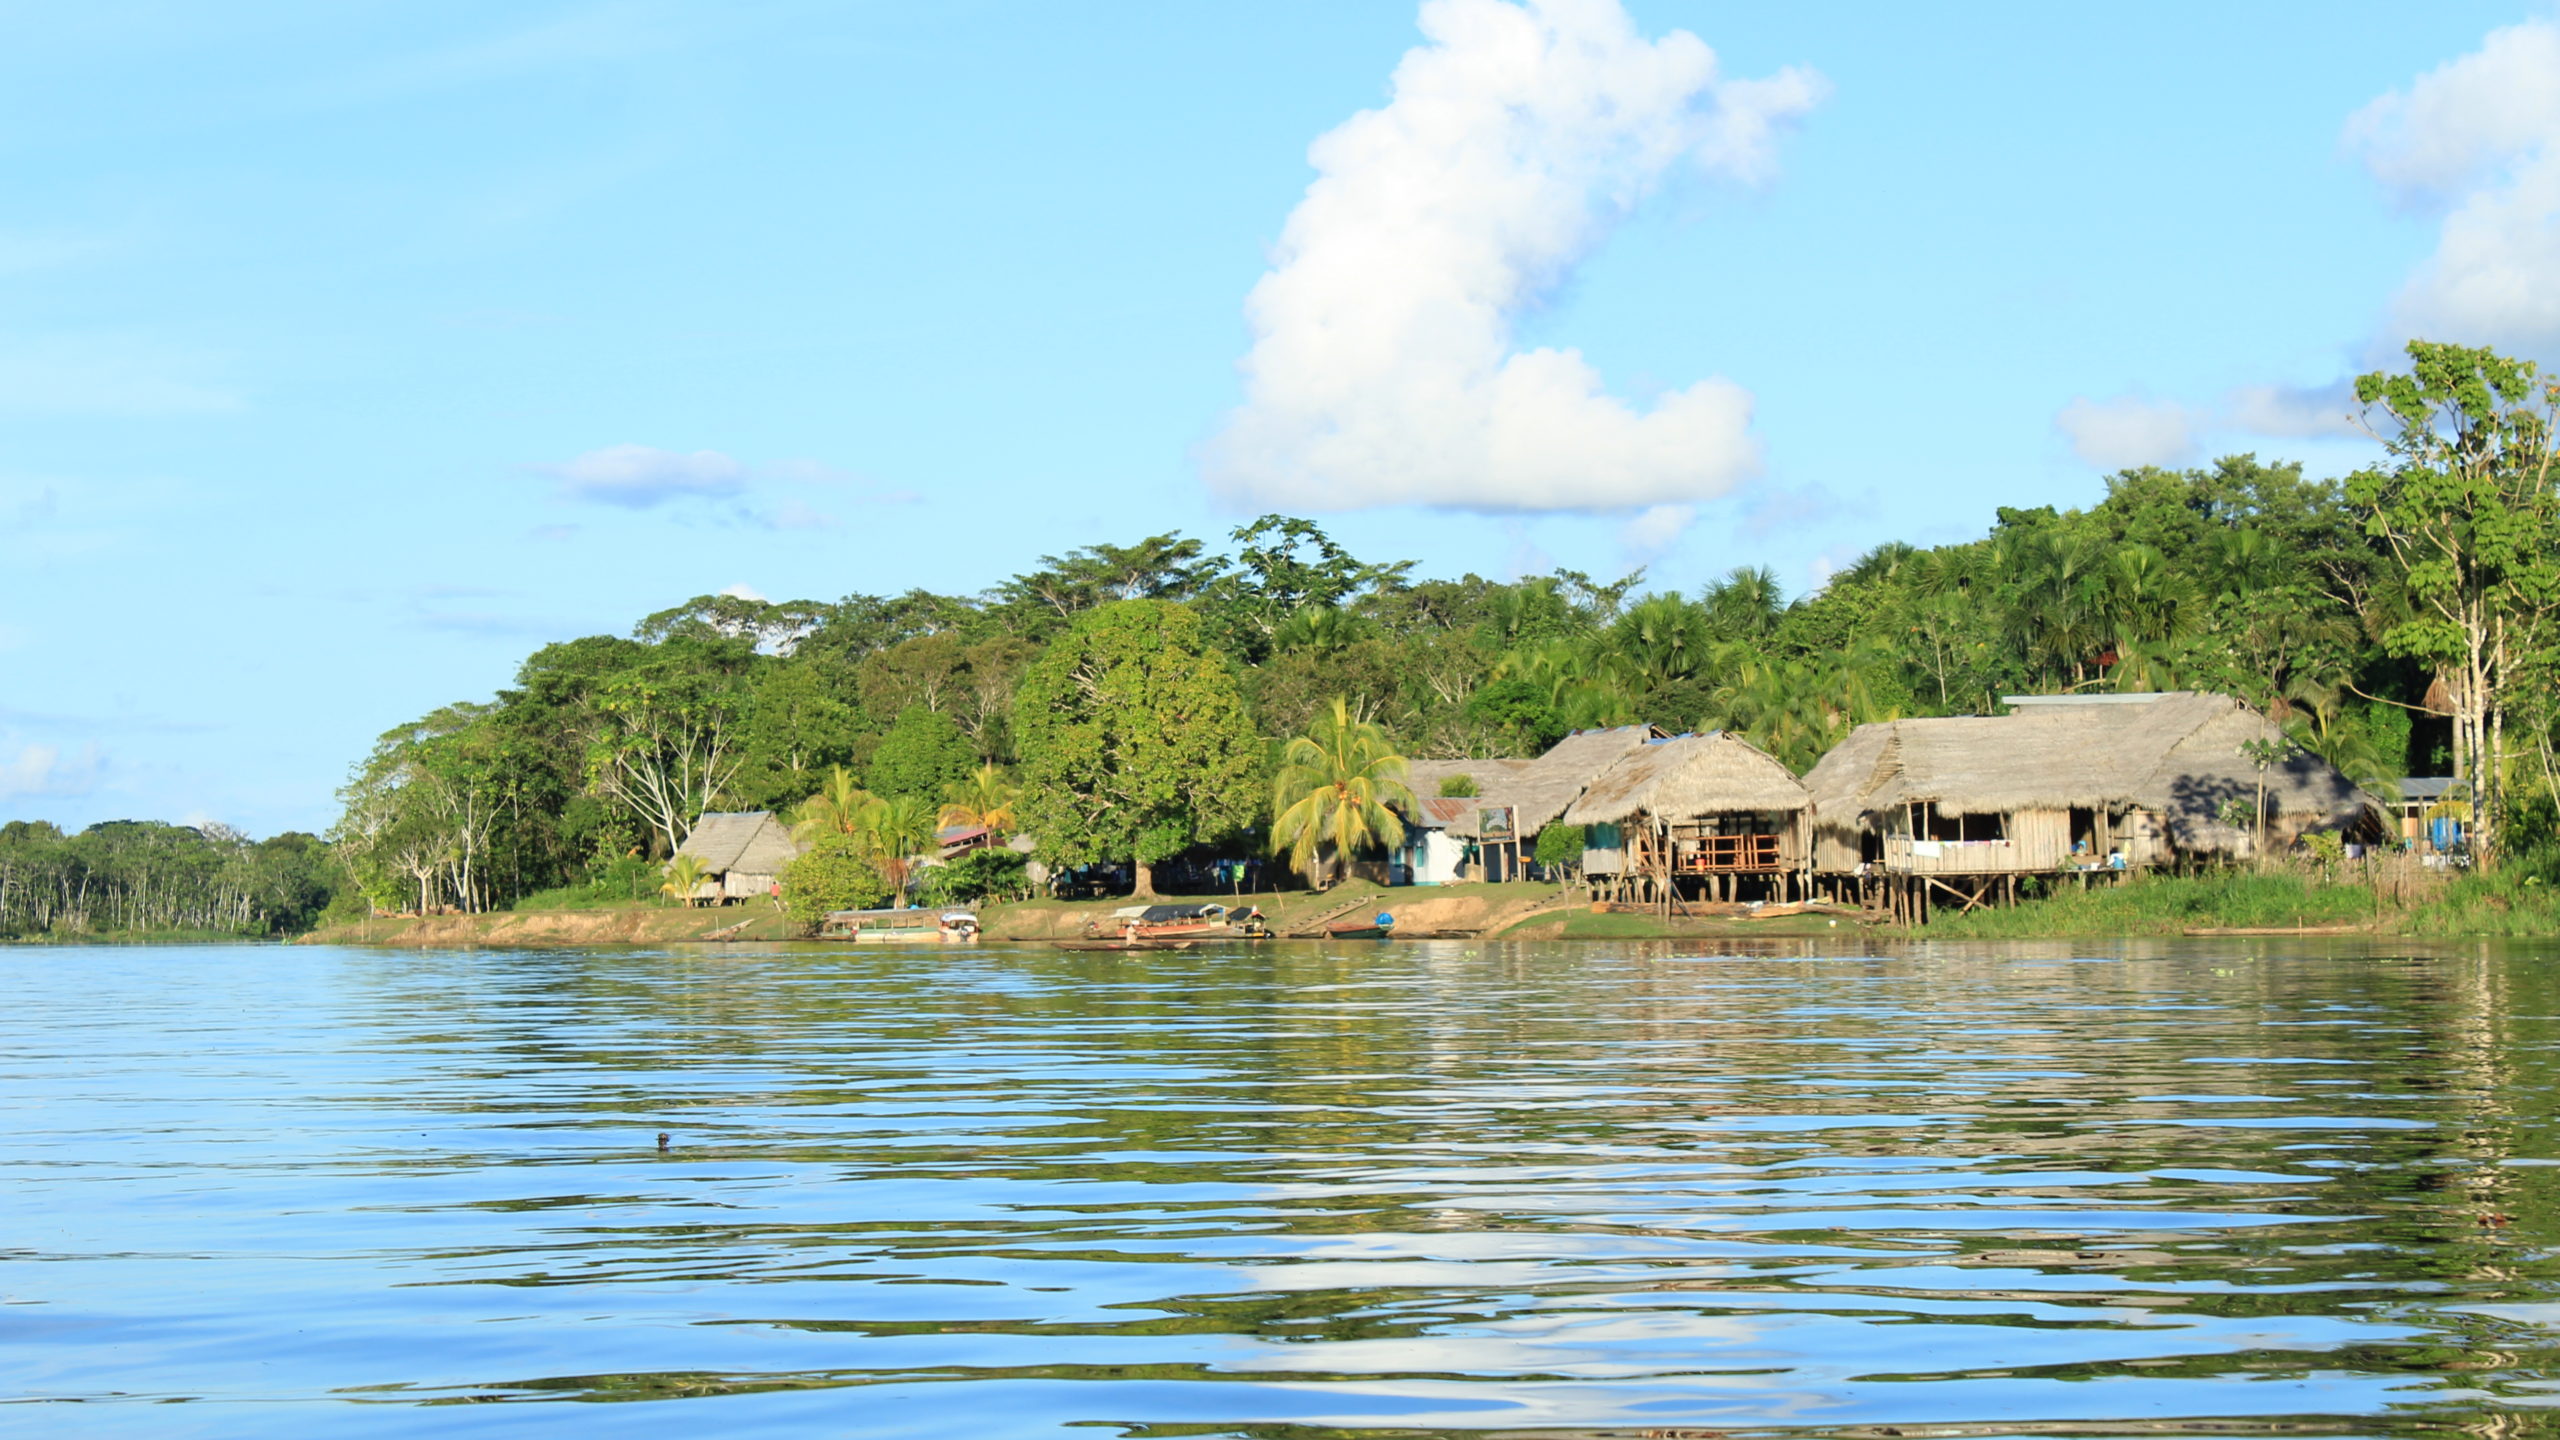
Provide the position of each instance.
(1145, 889)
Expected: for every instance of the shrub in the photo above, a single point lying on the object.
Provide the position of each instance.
(833, 875)
(1560, 846)
(978, 875)
(1458, 787)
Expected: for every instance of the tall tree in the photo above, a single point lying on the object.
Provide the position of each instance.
(2467, 511)
(668, 735)
(923, 755)
(1134, 740)
(1331, 800)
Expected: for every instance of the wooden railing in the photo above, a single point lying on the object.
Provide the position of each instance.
(1719, 854)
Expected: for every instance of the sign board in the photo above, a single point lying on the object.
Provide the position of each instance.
(1493, 822)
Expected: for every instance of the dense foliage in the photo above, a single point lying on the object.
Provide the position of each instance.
(1129, 702)
(837, 873)
(142, 877)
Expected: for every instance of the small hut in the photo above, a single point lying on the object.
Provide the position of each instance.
(741, 852)
(2066, 784)
(1515, 799)
(1696, 816)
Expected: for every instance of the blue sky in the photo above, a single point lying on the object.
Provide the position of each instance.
(350, 351)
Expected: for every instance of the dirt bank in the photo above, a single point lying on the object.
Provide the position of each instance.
(1512, 912)
(543, 929)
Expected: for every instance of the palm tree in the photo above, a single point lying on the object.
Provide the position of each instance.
(1745, 603)
(685, 876)
(1664, 639)
(895, 832)
(984, 798)
(835, 810)
(1332, 793)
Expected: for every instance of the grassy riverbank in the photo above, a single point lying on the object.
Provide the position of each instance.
(1511, 912)
(2507, 905)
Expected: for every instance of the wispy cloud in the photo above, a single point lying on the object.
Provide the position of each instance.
(636, 477)
(44, 772)
(2128, 431)
(641, 477)
(1517, 137)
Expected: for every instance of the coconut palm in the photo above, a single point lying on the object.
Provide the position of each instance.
(895, 832)
(1332, 793)
(835, 810)
(685, 876)
(984, 798)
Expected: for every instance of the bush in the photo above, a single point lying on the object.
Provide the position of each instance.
(1560, 846)
(620, 880)
(978, 875)
(1458, 787)
(833, 875)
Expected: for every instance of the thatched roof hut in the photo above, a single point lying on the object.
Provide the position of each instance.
(742, 852)
(1537, 791)
(2173, 757)
(1687, 775)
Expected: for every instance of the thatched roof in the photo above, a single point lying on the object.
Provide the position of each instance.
(2176, 753)
(1536, 790)
(1687, 776)
(750, 842)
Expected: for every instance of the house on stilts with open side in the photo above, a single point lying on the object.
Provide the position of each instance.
(1918, 815)
(1696, 817)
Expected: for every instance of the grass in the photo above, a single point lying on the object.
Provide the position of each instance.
(2168, 905)
(2505, 903)
(2512, 902)
(585, 897)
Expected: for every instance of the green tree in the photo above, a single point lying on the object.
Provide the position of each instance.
(685, 879)
(836, 873)
(1331, 800)
(923, 755)
(899, 830)
(667, 733)
(986, 796)
(1134, 740)
(1560, 847)
(2466, 509)
(835, 810)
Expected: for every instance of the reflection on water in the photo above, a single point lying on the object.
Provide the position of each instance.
(1411, 1188)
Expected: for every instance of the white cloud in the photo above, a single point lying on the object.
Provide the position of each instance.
(1382, 370)
(639, 476)
(746, 592)
(41, 770)
(2479, 140)
(1650, 533)
(2128, 431)
(2294, 412)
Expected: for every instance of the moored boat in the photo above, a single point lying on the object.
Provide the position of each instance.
(1376, 928)
(900, 927)
(1135, 924)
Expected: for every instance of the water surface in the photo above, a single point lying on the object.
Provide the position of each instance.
(1420, 1188)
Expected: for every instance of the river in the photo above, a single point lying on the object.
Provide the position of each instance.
(1413, 1188)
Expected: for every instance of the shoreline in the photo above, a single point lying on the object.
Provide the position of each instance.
(1474, 912)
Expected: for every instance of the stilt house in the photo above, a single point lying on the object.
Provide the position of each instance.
(742, 853)
(1696, 816)
(2062, 784)
(1514, 799)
